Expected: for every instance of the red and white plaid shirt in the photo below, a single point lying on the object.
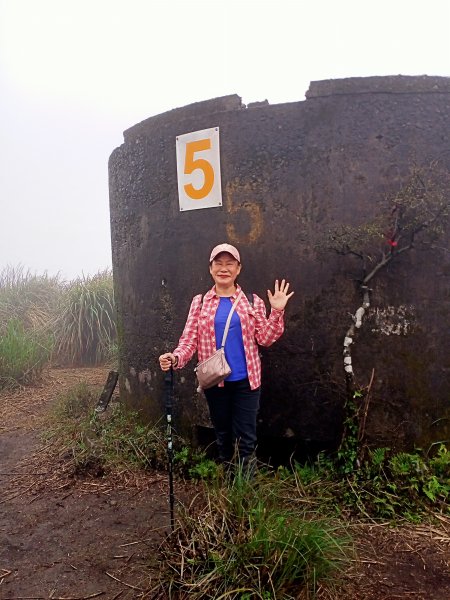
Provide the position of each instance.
(199, 334)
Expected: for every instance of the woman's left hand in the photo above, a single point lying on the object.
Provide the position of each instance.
(280, 297)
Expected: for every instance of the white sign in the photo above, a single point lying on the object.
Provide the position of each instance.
(198, 169)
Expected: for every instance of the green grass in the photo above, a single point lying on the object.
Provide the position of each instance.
(251, 540)
(23, 354)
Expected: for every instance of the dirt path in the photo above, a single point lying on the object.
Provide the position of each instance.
(68, 538)
(75, 538)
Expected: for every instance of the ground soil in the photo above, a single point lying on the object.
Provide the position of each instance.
(64, 536)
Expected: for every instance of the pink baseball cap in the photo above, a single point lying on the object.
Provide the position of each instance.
(225, 248)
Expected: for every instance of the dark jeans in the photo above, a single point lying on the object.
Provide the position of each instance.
(233, 409)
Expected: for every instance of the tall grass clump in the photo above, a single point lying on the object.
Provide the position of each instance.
(32, 299)
(85, 328)
(27, 309)
(23, 354)
(247, 543)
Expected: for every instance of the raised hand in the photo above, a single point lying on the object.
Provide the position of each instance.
(280, 297)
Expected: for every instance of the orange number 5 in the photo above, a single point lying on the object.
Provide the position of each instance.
(190, 164)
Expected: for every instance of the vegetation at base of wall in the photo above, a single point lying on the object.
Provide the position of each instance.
(195, 464)
(385, 485)
(117, 439)
(23, 354)
(252, 537)
(78, 317)
(381, 483)
(109, 441)
(390, 485)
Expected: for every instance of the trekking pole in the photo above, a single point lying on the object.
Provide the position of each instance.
(168, 380)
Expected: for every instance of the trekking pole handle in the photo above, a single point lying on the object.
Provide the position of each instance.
(168, 382)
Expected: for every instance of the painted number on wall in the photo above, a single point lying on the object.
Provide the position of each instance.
(198, 169)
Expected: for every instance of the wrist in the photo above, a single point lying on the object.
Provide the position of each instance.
(276, 315)
(280, 310)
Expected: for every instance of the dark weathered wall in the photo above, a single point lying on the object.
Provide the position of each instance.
(288, 172)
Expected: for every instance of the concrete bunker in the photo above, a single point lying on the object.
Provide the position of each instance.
(288, 172)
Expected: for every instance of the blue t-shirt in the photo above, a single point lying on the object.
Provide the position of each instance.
(234, 345)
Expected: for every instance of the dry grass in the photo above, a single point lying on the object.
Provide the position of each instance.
(52, 465)
(30, 298)
(25, 407)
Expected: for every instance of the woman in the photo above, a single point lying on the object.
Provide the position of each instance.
(233, 404)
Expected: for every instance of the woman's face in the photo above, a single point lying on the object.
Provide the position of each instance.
(224, 269)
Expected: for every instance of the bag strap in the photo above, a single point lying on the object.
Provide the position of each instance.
(227, 326)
